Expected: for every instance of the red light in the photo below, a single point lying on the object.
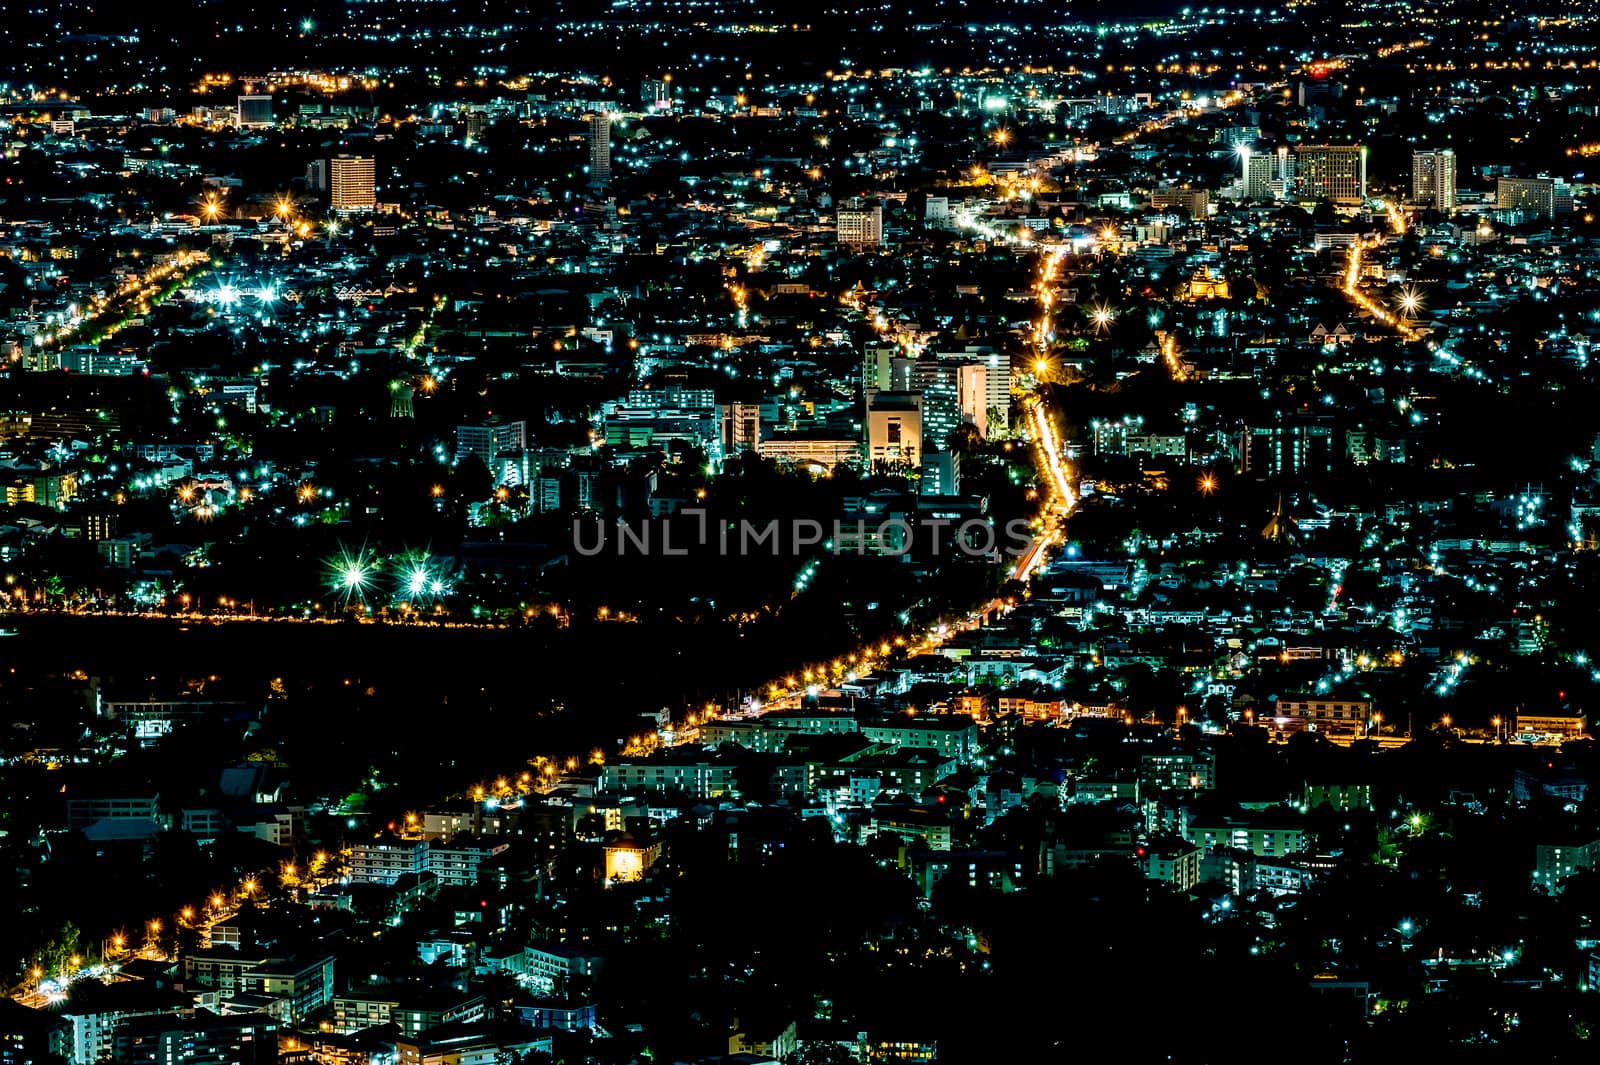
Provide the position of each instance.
(483, 904)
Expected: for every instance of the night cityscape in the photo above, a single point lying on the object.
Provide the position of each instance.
(775, 533)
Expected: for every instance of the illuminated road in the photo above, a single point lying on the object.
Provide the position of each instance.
(1352, 292)
(1060, 495)
(104, 316)
(1172, 357)
(231, 615)
(1410, 300)
(42, 989)
(1059, 477)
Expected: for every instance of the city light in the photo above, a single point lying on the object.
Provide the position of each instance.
(1102, 316)
(985, 486)
(1410, 302)
(351, 574)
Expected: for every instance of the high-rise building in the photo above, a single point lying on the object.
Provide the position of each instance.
(1196, 201)
(1268, 175)
(599, 138)
(1259, 170)
(741, 427)
(876, 368)
(972, 395)
(489, 440)
(860, 227)
(900, 367)
(1335, 172)
(531, 466)
(997, 382)
(1317, 88)
(255, 112)
(983, 388)
(941, 473)
(1287, 450)
(656, 94)
(1528, 194)
(386, 860)
(351, 183)
(99, 525)
(317, 175)
(936, 380)
(1433, 179)
(400, 395)
(894, 431)
(203, 1039)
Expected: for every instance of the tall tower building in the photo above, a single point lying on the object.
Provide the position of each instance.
(1259, 170)
(400, 399)
(894, 431)
(656, 94)
(491, 439)
(1433, 179)
(255, 112)
(599, 148)
(876, 368)
(1287, 450)
(972, 394)
(1536, 195)
(1285, 166)
(997, 383)
(941, 474)
(350, 183)
(860, 227)
(1336, 172)
(741, 427)
(936, 380)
